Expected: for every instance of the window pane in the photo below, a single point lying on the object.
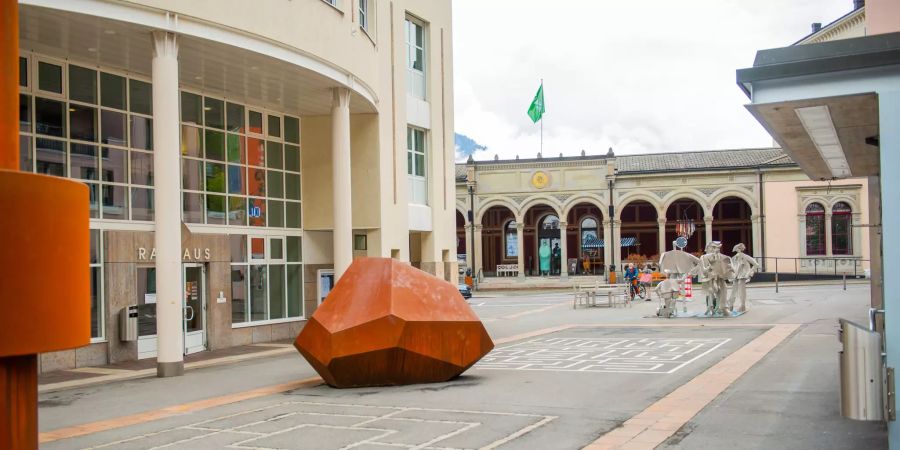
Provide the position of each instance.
(49, 77)
(409, 163)
(140, 97)
(191, 109)
(94, 200)
(275, 126)
(95, 246)
(215, 209)
(191, 141)
(294, 249)
(142, 168)
(295, 290)
(420, 165)
(141, 133)
(276, 248)
(112, 91)
(82, 123)
(276, 214)
(235, 149)
(191, 174)
(215, 177)
(256, 120)
(237, 211)
(258, 288)
(256, 152)
(25, 158)
(25, 113)
(292, 213)
(96, 305)
(274, 155)
(815, 234)
(235, 118)
(23, 71)
(215, 145)
(214, 111)
(115, 202)
(274, 184)
(85, 162)
(237, 183)
(112, 127)
(113, 164)
(276, 291)
(50, 157)
(239, 302)
(82, 84)
(257, 248)
(193, 207)
(141, 204)
(292, 186)
(292, 158)
(292, 129)
(256, 212)
(146, 284)
(238, 245)
(49, 117)
(256, 182)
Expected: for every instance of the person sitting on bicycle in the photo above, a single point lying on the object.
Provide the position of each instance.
(631, 277)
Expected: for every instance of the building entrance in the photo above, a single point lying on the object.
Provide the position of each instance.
(194, 305)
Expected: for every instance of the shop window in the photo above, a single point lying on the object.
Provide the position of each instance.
(511, 239)
(270, 286)
(815, 229)
(96, 268)
(841, 229)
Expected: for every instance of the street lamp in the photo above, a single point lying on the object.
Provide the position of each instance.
(472, 230)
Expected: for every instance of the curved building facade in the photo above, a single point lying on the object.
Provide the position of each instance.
(239, 156)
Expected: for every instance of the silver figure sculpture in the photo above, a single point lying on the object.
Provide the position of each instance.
(744, 268)
(715, 270)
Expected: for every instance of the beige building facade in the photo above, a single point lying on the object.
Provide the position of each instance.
(239, 157)
(641, 203)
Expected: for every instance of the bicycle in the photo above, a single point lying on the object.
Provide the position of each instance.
(635, 289)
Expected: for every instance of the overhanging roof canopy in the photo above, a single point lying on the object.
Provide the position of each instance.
(820, 101)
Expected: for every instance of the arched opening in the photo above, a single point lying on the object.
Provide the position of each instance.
(684, 217)
(815, 229)
(493, 248)
(732, 224)
(541, 227)
(584, 239)
(841, 229)
(640, 232)
(460, 237)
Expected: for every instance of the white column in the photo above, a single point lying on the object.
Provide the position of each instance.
(828, 249)
(661, 231)
(563, 251)
(617, 244)
(607, 247)
(167, 197)
(520, 249)
(708, 222)
(468, 239)
(479, 251)
(340, 181)
(756, 231)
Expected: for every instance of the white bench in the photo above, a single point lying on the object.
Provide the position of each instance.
(590, 295)
(510, 270)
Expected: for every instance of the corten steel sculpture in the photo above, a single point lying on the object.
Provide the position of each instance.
(44, 289)
(388, 323)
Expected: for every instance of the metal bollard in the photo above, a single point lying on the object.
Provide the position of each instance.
(845, 281)
(861, 372)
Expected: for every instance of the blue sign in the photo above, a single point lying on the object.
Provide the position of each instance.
(254, 211)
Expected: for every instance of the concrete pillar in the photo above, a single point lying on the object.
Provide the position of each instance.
(340, 181)
(167, 217)
(828, 249)
(607, 247)
(663, 245)
(756, 230)
(617, 244)
(468, 238)
(479, 250)
(520, 249)
(708, 224)
(563, 251)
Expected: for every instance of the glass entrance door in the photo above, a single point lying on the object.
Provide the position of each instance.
(194, 308)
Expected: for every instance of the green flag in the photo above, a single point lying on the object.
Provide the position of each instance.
(536, 110)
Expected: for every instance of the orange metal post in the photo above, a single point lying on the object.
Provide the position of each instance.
(9, 85)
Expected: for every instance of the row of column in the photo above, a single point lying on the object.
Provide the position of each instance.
(167, 221)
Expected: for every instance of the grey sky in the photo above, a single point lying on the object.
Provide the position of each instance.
(637, 75)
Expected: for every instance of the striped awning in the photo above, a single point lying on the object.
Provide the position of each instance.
(593, 242)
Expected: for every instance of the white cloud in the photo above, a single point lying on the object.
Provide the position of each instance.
(639, 76)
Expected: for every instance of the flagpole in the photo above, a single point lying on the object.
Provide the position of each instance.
(542, 117)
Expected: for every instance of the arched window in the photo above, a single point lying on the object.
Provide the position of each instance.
(511, 239)
(815, 229)
(841, 230)
(550, 222)
(590, 241)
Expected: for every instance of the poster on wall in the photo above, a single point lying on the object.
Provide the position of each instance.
(512, 245)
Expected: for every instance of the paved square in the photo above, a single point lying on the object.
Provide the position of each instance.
(609, 355)
(317, 425)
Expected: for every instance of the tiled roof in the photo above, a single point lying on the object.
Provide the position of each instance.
(460, 172)
(702, 160)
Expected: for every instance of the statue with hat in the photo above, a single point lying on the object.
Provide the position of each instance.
(715, 270)
(744, 266)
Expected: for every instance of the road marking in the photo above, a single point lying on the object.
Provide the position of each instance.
(147, 416)
(533, 311)
(659, 421)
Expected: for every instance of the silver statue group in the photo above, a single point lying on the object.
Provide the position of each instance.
(714, 270)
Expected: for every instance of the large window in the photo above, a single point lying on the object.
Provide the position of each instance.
(240, 166)
(415, 165)
(511, 239)
(266, 278)
(90, 125)
(364, 17)
(841, 229)
(415, 58)
(815, 229)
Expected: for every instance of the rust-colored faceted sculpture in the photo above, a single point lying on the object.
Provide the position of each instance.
(388, 323)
